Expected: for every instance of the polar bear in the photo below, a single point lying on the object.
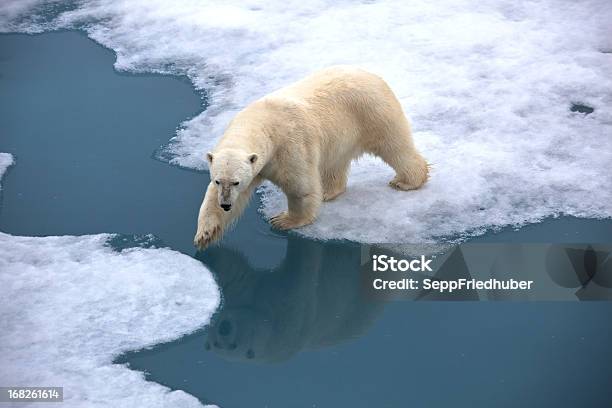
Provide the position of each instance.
(303, 138)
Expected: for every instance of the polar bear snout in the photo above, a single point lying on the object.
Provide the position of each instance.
(228, 193)
(226, 199)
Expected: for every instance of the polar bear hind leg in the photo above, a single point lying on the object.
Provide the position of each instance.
(396, 148)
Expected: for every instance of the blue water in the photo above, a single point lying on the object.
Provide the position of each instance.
(294, 330)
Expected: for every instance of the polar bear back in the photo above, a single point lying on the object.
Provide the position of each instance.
(326, 119)
(348, 105)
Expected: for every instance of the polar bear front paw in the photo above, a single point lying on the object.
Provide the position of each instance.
(207, 234)
(284, 221)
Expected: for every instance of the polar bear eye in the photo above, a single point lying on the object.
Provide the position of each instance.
(217, 182)
(235, 183)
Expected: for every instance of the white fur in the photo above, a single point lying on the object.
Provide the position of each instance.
(303, 139)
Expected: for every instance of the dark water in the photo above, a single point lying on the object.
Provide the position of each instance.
(294, 330)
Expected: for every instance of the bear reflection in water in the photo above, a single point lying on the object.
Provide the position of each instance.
(312, 299)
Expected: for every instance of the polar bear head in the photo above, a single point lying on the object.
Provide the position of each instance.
(232, 170)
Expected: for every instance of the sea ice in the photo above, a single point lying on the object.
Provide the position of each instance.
(489, 87)
(6, 161)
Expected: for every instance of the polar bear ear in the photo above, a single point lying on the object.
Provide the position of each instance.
(253, 158)
(209, 156)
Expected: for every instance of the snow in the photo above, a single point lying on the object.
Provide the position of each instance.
(69, 305)
(488, 87)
